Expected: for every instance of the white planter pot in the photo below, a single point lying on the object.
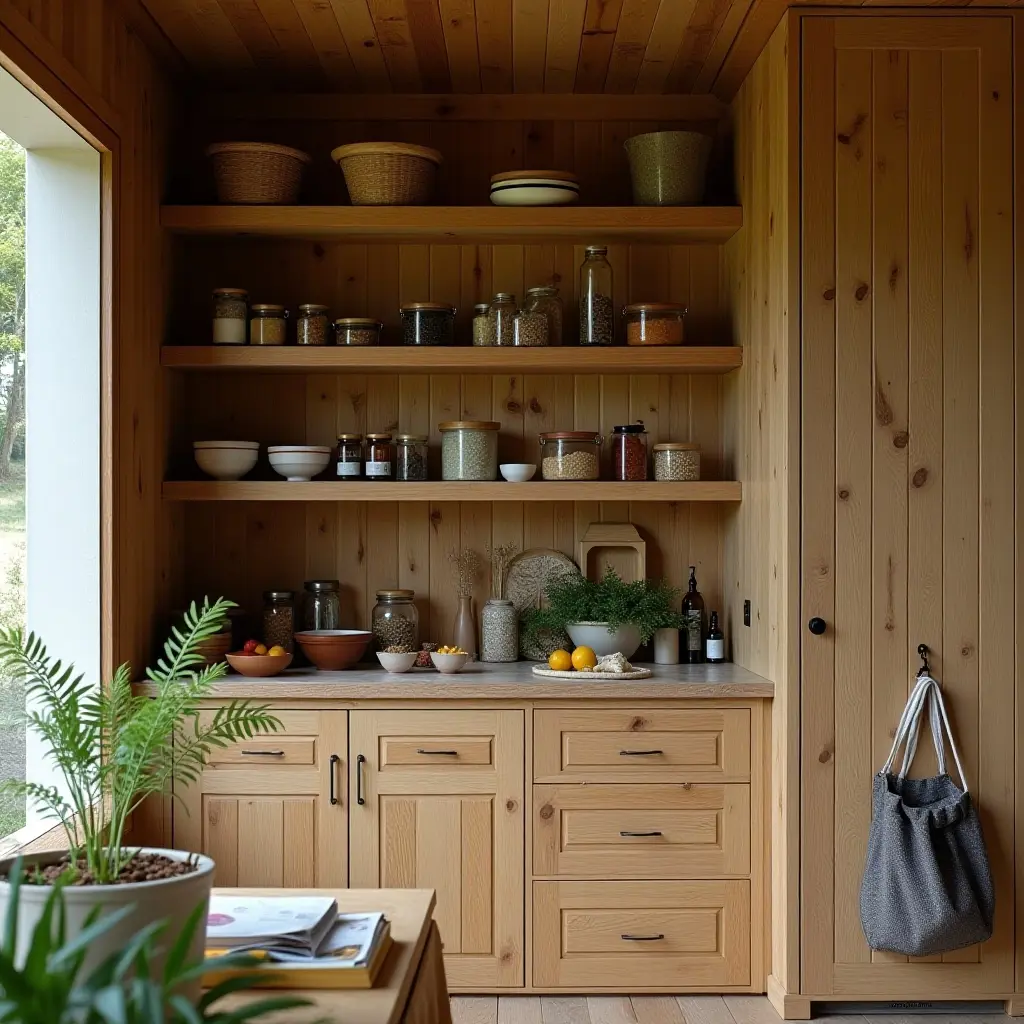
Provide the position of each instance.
(172, 899)
(625, 640)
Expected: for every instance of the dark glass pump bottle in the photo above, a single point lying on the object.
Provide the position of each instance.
(694, 623)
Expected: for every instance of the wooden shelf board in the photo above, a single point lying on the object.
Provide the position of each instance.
(499, 490)
(461, 223)
(391, 359)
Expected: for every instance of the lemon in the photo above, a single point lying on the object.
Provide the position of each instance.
(260, 649)
(560, 661)
(583, 658)
(276, 651)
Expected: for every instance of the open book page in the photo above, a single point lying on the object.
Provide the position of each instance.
(350, 943)
(296, 924)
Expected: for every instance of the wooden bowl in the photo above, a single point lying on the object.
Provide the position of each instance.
(258, 666)
(334, 649)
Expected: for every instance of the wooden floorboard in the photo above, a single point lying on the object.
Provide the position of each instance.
(706, 1010)
(657, 1010)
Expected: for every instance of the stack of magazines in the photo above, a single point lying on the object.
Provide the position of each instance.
(298, 941)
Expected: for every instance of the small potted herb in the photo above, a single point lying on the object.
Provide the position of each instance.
(608, 615)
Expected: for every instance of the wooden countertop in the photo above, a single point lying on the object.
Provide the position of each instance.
(494, 682)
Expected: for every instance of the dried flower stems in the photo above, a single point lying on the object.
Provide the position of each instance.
(466, 566)
(501, 559)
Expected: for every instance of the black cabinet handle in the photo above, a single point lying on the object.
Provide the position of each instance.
(263, 753)
(642, 938)
(444, 753)
(817, 626)
(639, 835)
(360, 761)
(333, 769)
(639, 753)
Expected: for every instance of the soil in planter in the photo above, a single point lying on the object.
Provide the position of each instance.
(145, 867)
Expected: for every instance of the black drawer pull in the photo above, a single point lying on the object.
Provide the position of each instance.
(642, 938)
(639, 835)
(360, 761)
(444, 753)
(263, 753)
(332, 768)
(639, 753)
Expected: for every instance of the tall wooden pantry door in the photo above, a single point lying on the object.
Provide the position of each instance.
(907, 455)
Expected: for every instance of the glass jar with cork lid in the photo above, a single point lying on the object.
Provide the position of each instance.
(395, 621)
(311, 326)
(230, 313)
(279, 619)
(411, 457)
(268, 324)
(469, 449)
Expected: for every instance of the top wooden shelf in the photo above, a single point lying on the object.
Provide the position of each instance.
(665, 224)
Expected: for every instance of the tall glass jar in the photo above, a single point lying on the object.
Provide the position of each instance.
(268, 324)
(502, 313)
(544, 299)
(379, 457)
(311, 327)
(597, 309)
(499, 632)
(629, 451)
(349, 463)
(230, 309)
(279, 619)
(483, 329)
(469, 449)
(395, 620)
(411, 457)
(322, 605)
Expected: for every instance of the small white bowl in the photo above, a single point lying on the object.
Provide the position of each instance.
(298, 462)
(226, 462)
(449, 664)
(518, 472)
(397, 663)
(253, 445)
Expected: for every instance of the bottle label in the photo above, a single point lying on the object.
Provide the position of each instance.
(348, 469)
(691, 626)
(378, 469)
(716, 650)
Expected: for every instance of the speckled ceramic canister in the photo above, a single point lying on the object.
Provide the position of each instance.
(499, 632)
(668, 168)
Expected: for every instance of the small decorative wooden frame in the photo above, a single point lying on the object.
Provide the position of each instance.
(618, 545)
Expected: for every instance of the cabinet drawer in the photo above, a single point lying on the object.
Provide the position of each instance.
(655, 745)
(436, 751)
(622, 935)
(651, 831)
(295, 743)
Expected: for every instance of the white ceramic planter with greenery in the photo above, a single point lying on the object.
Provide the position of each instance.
(624, 639)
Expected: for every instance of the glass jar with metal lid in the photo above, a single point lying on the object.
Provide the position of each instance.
(597, 308)
(428, 323)
(395, 620)
(676, 460)
(629, 451)
(379, 457)
(570, 455)
(502, 313)
(322, 605)
(654, 323)
(230, 311)
(311, 326)
(483, 329)
(349, 463)
(411, 457)
(544, 299)
(279, 619)
(357, 330)
(469, 449)
(268, 324)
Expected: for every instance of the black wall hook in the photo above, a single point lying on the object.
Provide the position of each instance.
(925, 669)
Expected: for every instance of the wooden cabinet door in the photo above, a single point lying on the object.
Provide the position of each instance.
(907, 455)
(273, 811)
(442, 809)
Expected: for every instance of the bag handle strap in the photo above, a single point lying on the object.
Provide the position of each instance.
(910, 750)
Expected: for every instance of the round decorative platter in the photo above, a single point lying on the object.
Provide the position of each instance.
(550, 673)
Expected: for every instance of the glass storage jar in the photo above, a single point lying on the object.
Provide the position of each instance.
(676, 460)
(395, 620)
(530, 330)
(469, 449)
(597, 310)
(411, 457)
(502, 313)
(629, 451)
(654, 323)
(311, 324)
(268, 324)
(357, 330)
(349, 463)
(230, 310)
(378, 457)
(545, 299)
(428, 323)
(570, 455)
(322, 605)
(279, 619)
(483, 330)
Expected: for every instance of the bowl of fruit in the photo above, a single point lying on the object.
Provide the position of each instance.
(259, 661)
(448, 660)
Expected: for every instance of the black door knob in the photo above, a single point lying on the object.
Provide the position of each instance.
(817, 626)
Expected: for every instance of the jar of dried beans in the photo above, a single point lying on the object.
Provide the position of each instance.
(469, 449)
(629, 451)
(279, 619)
(311, 325)
(268, 324)
(395, 621)
(428, 323)
(411, 457)
(529, 329)
(230, 307)
(654, 323)
(570, 455)
(483, 329)
(502, 314)
(544, 299)
(597, 310)
(357, 330)
(379, 456)
(676, 460)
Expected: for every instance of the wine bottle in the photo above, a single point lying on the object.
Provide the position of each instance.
(693, 622)
(716, 641)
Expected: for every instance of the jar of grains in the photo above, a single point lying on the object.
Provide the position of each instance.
(499, 632)
(597, 310)
(268, 324)
(629, 451)
(311, 325)
(229, 316)
(395, 621)
(676, 460)
(349, 464)
(502, 313)
(544, 299)
(279, 619)
(428, 323)
(322, 605)
(411, 457)
(483, 329)
(530, 329)
(378, 457)
(357, 330)
(654, 323)
(570, 455)
(469, 449)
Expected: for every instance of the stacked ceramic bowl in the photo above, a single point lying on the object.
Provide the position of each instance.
(226, 460)
(534, 188)
(299, 462)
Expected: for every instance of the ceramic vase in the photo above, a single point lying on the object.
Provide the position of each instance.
(464, 631)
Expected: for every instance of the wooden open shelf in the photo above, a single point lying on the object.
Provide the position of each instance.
(409, 359)
(499, 490)
(468, 224)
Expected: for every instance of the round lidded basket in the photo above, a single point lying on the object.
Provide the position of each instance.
(257, 173)
(388, 173)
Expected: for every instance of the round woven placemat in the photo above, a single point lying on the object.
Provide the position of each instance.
(527, 575)
(550, 673)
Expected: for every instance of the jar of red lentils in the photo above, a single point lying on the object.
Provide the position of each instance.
(654, 323)
(629, 451)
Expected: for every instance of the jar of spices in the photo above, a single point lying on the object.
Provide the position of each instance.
(469, 449)
(529, 330)
(279, 619)
(230, 307)
(676, 460)
(379, 456)
(311, 325)
(654, 323)
(428, 323)
(499, 632)
(629, 451)
(483, 329)
(544, 299)
(502, 314)
(411, 457)
(570, 455)
(268, 324)
(395, 621)
(322, 608)
(357, 330)
(349, 464)
(597, 310)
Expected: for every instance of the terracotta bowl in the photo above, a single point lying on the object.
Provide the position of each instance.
(259, 666)
(334, 649)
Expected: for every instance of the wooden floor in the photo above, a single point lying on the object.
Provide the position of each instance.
(661, 1010)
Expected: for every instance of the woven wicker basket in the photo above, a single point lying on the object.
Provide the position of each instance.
(258, 173)
(388, 173)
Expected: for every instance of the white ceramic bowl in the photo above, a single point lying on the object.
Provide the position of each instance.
(534, 192)
(226, 460)
(448, 664)
(298, 461)
(397, 663)
(518, 472)
(625, 640)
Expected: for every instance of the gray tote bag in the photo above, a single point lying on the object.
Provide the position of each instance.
(927, 884)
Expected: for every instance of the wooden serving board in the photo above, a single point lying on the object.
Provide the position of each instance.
(550, 673)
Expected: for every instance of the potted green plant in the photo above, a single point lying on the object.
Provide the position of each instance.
(608, 615)
(114, 748)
